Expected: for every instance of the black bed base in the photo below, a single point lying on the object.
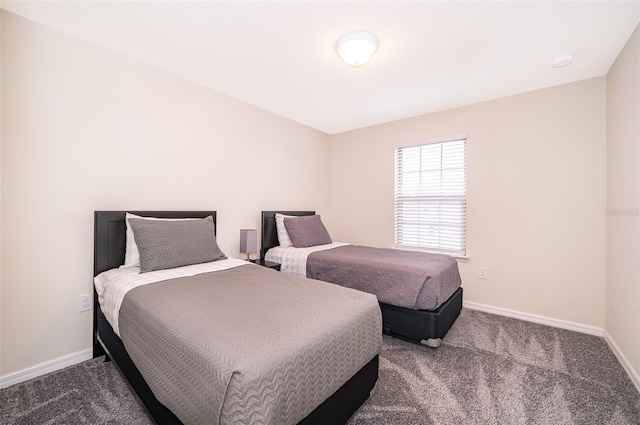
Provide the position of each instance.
(337, 409)
(112, 345)
(421, 325)
(342, 404)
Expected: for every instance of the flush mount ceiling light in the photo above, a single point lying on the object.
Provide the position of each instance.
(562, 60)
(357, 48)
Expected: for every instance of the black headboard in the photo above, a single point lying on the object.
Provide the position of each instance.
(109, 237)
(269, 232)
(109, 243)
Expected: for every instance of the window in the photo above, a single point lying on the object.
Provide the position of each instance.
(430, 197)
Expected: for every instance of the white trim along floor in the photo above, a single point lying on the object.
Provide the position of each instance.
(80, 356)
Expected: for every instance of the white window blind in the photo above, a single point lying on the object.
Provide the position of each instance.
(430, 197)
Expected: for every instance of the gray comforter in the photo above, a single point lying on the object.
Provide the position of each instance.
(410, 279)
(248, 345)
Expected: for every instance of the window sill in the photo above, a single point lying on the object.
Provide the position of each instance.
(458, 257)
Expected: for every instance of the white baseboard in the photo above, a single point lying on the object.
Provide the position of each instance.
(591, 330)
(556, 323)
(635, 378)
(45, 367)
(80, 356)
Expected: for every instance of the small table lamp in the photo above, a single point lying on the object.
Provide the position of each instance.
(248, 242)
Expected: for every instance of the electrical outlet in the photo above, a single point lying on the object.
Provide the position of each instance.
(85, 302)
(483, 273)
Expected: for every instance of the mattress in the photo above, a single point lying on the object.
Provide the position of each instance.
(112, 285)
(294, 260)
(247, 344)
(409, 279)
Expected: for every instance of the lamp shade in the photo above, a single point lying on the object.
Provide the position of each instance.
(248, 241)
(357, 48)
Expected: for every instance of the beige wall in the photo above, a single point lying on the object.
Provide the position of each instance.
(86, 129)
(623, 202)
(535, 196)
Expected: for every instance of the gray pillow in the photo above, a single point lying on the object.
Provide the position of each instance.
(307, 231)
(168, 244)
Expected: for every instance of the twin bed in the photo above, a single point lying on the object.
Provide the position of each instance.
(206, 339)
(419, 293)
(226, 341)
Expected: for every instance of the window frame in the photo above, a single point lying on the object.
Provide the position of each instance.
(450, 203)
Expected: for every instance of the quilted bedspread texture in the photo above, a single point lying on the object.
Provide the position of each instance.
(248, 345)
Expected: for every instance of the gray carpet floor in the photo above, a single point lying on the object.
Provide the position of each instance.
(489, 370)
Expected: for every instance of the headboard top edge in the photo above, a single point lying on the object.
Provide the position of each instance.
(269, 233)
(110, 233)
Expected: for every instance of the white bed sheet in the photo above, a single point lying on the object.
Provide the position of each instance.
(112, 285)
(294, 260)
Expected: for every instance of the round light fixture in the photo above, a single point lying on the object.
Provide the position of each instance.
(357, 48)
(562, 60)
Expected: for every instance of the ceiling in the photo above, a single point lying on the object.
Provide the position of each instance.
(280, 55)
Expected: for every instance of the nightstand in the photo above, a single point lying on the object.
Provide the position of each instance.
(265, 263)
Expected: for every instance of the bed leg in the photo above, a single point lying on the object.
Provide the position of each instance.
(432, 342)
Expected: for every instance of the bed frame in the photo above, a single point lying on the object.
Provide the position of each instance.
(109, 251)
(427, 327)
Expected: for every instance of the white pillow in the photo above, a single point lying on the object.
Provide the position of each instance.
(283, 235)
(131, 253)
